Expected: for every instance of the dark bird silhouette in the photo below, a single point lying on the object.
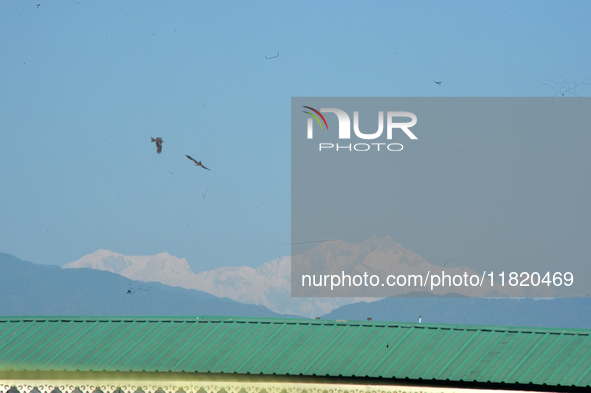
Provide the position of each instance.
(198, 163)
(158, 144)
(439, 83)
(38, 5)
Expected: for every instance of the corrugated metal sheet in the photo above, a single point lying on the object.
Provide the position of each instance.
(553, 357)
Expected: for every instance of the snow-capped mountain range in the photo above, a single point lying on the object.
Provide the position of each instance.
(269, 285)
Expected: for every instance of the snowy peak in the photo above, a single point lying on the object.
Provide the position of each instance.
(161, 267)
(102, 260)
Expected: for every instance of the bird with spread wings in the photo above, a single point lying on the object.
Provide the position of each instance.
(198, 163)
(158, 144)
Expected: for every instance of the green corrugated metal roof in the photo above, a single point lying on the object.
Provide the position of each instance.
(555, 357)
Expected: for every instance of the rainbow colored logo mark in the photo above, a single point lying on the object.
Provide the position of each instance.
(315, 117)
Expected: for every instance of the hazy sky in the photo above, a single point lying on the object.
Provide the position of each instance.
(84, 85)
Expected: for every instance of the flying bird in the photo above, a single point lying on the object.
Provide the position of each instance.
(158, 144)
(198, 163)
(439, 83)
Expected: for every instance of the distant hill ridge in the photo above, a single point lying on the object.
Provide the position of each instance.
(571, 312)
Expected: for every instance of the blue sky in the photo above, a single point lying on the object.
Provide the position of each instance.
(86, 84)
